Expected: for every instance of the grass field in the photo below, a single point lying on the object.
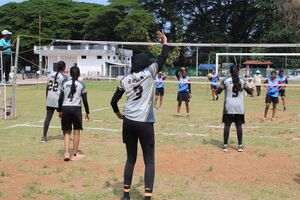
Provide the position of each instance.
(189, 162)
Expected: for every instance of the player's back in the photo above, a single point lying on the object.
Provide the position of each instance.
(54, 88)
(139, 92)
(76, 99)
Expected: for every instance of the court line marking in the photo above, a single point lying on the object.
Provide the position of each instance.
(23, 124)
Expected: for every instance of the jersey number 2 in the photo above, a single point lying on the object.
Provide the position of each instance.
(53, 86)
(138, 92)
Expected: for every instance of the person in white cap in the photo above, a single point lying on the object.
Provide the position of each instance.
(257, 81)
(6, 47)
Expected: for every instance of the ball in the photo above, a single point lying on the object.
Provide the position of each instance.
(209, 76)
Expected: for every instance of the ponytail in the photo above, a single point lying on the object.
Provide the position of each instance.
(75, 73)
(61, 65)
(234, 71)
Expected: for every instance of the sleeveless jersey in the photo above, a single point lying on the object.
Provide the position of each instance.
(54, 88)
(183, 85)
(214, 79)
(283, 80)
(272, 88)
(159, 82)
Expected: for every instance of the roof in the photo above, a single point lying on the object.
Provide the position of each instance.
(255, 62)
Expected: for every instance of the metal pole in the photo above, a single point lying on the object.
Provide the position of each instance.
(14, 83)
(217, 63)
(197, 62)
(1, 68)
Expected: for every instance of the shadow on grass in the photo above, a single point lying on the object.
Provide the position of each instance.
(213, 142)
(297, 179)
(117, 189)
(56, 137)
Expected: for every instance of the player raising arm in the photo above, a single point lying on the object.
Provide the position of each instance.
(138, 116)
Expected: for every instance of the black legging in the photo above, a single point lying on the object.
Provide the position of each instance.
(148, 155)
(239, 131)
(49, 115)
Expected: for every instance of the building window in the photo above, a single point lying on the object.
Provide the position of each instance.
(128, 58)
(99, 57)
(114, 58)
(83, 57)
(108, 57)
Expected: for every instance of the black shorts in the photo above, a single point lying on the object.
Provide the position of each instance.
(282, 93)
(159, 92)
(71, 116)
(134, 131)
(236, 118)
(52, 108)
(213, 87)
(183, 96)
(270, 99)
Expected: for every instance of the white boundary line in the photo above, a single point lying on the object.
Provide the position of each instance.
(23, 124)
(254, 127)
(58, 127)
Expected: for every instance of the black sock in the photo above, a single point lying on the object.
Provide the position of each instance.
(147, 197)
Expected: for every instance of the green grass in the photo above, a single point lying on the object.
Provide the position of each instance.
(42, 174)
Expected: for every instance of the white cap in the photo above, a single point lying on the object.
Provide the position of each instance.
(6, 32)
(257, 72)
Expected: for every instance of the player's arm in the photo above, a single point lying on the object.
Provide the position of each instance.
(60, 101)
(220, 87)
(85, 103)
(247, 88)
(114, 101)
(177, 74)
(266, 82)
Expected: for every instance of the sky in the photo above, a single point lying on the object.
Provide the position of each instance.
(2, 2)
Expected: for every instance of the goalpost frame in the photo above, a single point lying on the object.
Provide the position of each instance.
(252, 54)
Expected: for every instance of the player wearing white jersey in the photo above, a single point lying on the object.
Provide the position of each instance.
(234, 105)
(53, 89)
(70, 111)
(138, 117)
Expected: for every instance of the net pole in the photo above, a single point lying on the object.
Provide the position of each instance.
(197, 58)
(14, 84)
(217, 63)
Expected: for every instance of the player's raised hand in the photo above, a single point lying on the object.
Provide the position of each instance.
(163, 37)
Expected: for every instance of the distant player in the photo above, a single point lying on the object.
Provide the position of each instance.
(214, 78)
(138, 116)
(53, 89)
(283, 78)
(70, 111)
(159, 88)
(272, 94)
(234, 105)
(184, 90)
(257, 78)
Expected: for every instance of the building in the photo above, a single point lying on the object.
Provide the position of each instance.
(93, 60)
(253, 65)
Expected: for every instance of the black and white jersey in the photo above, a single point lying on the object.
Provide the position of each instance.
(139, 90)
(233, 102)
(68, 100)
(54, 88)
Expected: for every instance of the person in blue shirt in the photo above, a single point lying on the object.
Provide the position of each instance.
(159, 88)
(272, 93)
(6, 47)
(184, 90)
(283, 78)
(214, 78)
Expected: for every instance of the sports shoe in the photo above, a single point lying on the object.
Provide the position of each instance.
(284, 108)
(225, 147)
(67, 157)
(264, 119)
(77, 156)
(44, 138)
(217, 98)
(240, 148)
(177, 114)
(125, 198)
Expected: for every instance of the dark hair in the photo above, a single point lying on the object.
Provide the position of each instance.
(234, 71)
(140, 62)
(61, 65)
(75, 73)
(281, 70)
(273, 72)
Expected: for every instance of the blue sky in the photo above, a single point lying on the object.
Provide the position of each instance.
(2, 2)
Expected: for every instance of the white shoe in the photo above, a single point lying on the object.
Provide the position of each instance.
(225, 148)
(240, 148)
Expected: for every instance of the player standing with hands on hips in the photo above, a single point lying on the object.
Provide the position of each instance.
(138, 116)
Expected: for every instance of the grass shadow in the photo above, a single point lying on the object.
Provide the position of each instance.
(117, 188)
(297, 179)
(213, 142)
(56, 137)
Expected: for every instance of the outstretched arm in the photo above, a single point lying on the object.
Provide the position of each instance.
(165, 50)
